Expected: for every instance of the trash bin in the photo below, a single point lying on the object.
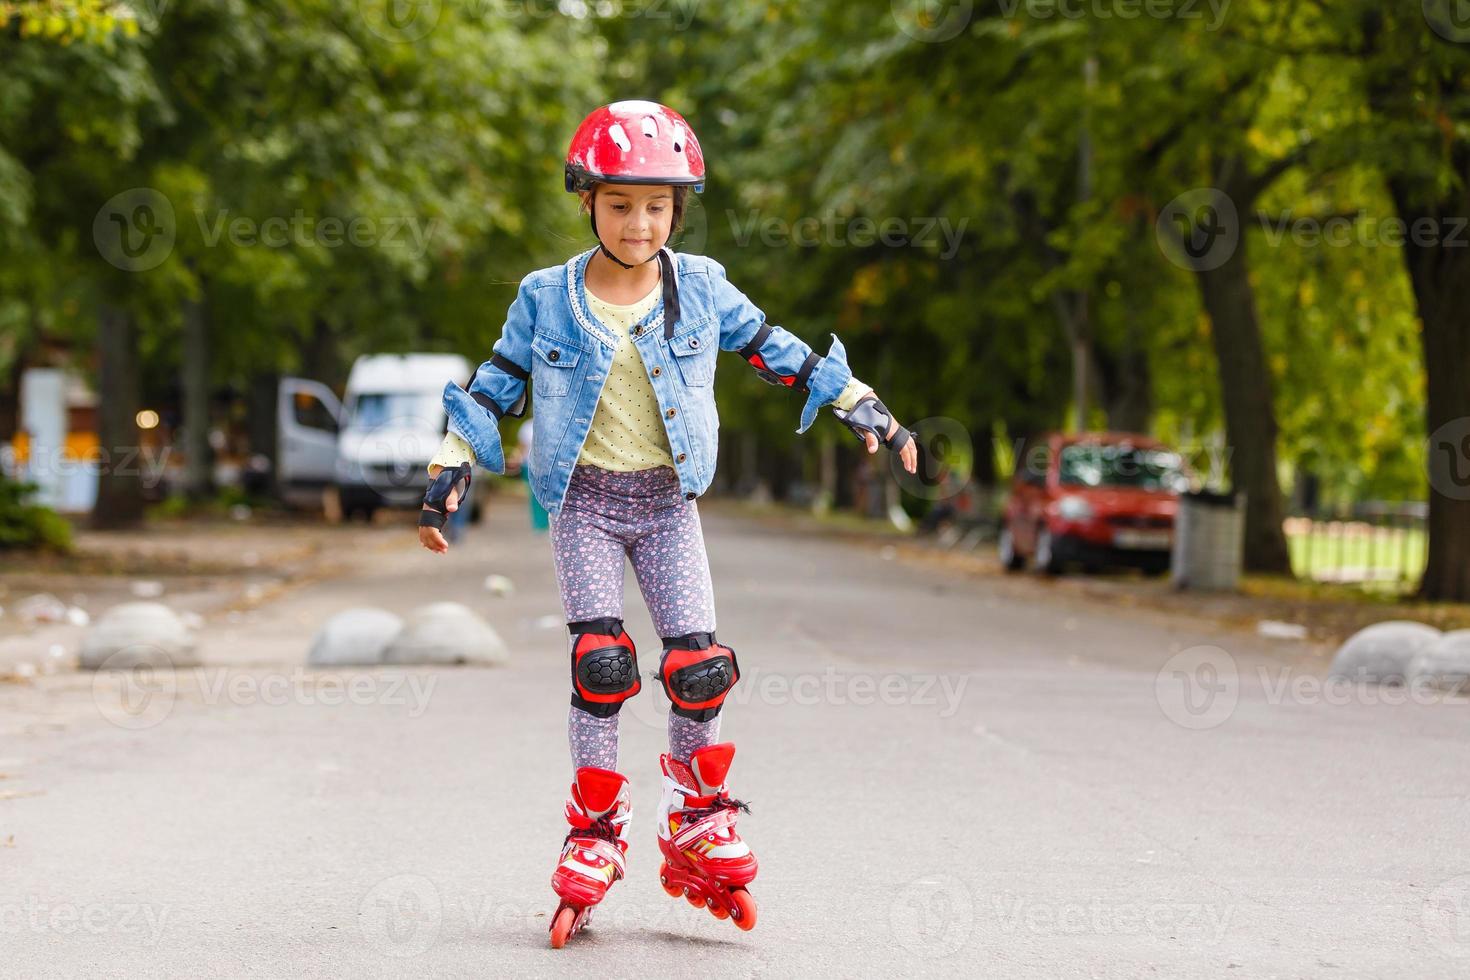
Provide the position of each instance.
(1208, 541)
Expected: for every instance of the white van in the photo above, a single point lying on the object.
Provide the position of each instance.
(388, 427)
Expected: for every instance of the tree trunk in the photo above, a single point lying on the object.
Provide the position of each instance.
(195, 383)
(1438, 274)
(1250, 414)
(120, 465)
(262, 435)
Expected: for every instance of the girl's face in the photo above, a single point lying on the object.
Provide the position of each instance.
(634, 221)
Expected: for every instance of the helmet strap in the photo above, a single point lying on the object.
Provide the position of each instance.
(666, 272)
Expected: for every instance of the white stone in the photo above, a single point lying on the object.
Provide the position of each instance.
(446, 633)
(1382, 652)
(1445, 663)
(354, 637)
(138, 634)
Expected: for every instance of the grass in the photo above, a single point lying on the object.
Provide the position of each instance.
(1384, 558)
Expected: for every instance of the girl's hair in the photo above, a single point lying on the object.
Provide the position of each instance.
(681, 196)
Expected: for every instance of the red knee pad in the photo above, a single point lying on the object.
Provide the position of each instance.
(697, 673)
(604, 666)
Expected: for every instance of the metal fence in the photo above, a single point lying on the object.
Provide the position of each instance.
(1378, 544)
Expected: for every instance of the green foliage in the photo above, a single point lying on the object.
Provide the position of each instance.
(28, 526)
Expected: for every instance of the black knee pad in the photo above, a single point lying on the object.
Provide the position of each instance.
(604, 666)
(697, 673)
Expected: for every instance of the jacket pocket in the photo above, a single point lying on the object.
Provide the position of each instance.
(694, 350)
(554, 367)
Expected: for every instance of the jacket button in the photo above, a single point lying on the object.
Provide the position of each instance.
(689, 495)
(554, 355)
(657, 372)
(638, 332)
(669, 414)
(693, 341)
(681, 458)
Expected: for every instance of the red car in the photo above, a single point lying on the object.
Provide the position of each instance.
(1096, 498)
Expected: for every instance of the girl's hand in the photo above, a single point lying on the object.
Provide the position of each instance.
(909, 453)
(446, 489)
(867, 417)
(431, 537)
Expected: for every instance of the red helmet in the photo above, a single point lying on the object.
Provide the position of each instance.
(634, 142)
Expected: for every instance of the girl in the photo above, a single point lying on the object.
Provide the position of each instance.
(619, 345)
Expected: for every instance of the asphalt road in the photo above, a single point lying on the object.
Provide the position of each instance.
(977, 777)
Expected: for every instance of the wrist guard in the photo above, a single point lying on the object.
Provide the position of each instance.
(871, 415)
(436, 511)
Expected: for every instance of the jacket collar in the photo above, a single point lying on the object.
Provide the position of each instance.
(576, 272)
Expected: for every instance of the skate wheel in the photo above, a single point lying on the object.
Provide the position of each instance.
(742, 909)
(670, 889)
(561, 926)
(693, 899)
(717, 910)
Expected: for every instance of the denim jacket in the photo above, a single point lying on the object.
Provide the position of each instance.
(553, 341)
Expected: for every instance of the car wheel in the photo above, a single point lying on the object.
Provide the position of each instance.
(1156, 568)
(1046, 556)
(1010, 560)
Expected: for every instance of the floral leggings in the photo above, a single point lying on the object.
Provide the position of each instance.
(641, 514)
